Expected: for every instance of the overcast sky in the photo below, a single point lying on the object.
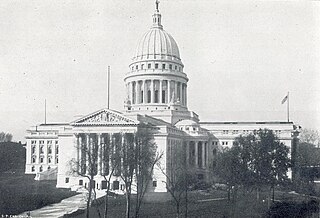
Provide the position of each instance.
(241, 58)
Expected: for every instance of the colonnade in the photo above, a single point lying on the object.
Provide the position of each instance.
(197, 154)
(157, 92)
(93, 152)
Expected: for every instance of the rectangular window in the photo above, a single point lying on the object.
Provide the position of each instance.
(137, 67)
(149, 66)
(142, 65)
(175, 67)
(164, 66)
(154, 183)
(170, 66)
(156, 66)
(41, 159)
(67, 179)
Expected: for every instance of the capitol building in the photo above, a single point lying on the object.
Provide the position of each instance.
(156, 95)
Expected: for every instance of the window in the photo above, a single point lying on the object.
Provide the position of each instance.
(156, 96)
(49, 149)
(33, 169)
(115, 185)
(33, 159)
(156, 66)
(57, 149)
(49, 159)
(170, 66)
(175, 67)
(41, 149)
(41, 159)
(142, 66)
(164, 66)
(136, 67)
(33, 149)
(149, 96)
(132, 68)
(57, 160)
(149, 66)
(80, 182)
(41, 169)
(225, 131)
(154, 183)
(67, 180)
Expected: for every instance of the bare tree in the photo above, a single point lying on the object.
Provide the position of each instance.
(146, 159)
(87, 167)
(5, 137)
(176, 176)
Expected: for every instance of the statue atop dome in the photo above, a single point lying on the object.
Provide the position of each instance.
(157, 5)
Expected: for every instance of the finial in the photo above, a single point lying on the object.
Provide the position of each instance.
(157, 5)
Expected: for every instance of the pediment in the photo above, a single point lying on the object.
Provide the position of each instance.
(104, 117)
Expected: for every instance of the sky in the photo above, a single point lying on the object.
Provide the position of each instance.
(241, 58)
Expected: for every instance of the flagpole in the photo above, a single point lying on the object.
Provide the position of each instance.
(288, 107)
(108, 105)
(45, 111)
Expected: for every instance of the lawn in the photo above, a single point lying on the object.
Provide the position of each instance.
(201, 204)
(20, 192)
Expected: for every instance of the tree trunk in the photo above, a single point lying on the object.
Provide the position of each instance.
(106, 204)
(88, 200)
(178, 209)
(128, 205)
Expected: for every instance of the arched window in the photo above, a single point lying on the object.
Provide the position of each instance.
(163, 96)
(33, 159)
(141, 99)
(156, 96)
(149, 96)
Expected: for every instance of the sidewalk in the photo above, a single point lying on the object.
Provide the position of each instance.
(67, 205)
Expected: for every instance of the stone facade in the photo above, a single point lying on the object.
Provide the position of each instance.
(156, 95)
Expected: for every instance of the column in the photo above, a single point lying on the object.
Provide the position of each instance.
(160, 90)
(110, 153)
(187, 153)
(137, 90)
(185, 95)
(175, 91)
(144, 92)
(180, 96)
(99, 154)
(169, 93)
(152, 91)
(203, 155)
(87, 149)
(196, 154)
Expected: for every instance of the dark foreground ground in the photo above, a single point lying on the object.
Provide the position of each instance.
(213, 204)
(20, 192)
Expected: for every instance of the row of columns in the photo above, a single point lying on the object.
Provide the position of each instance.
(200, 150)
(173, 90)
(85, 146)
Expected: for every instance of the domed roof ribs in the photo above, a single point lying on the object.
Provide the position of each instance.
(170, 48)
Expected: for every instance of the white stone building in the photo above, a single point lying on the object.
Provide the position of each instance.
(156, 87)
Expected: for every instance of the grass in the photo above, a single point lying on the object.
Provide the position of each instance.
(201, 204)
(20, 192)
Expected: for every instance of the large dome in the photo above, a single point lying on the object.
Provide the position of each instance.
(157, 44)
